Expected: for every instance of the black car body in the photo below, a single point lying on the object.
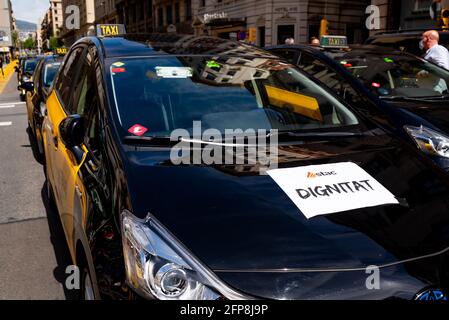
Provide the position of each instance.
(391, 109)
(405, 40)
(225, 231)
(36, 96)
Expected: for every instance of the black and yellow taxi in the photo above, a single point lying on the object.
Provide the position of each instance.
(37, 92)
(158, 202)
(25, 71)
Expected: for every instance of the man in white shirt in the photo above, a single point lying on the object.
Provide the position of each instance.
(434, 52)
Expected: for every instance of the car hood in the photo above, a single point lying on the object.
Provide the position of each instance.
(236, 221)
(433, 112)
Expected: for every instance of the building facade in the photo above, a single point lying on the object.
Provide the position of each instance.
(406, 14)
(269, 21)
(57, 17)
(136, 15)
(6, 26)
(71, 33)
(274, 21)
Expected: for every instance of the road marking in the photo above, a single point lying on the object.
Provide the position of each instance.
(7, 106)
(5, 124)
(12, 103)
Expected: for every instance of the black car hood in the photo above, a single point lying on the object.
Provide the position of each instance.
(434, 112)
(236, 221)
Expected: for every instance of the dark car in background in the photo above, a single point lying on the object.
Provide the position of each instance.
(403, 92)
(37, 92)
(405, 40)
(139, 224)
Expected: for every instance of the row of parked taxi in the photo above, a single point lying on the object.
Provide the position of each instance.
(360, 178)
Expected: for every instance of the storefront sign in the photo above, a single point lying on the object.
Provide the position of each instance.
(212, 16)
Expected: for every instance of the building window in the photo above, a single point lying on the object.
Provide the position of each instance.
(160, 17)
(422, 5)
(202, 3)
(169, 14)
(150, 8)
(188, 10)
(177, 17)
(284, 32)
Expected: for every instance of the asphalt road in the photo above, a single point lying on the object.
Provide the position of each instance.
(33, 252)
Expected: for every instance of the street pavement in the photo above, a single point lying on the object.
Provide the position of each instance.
(33, 251)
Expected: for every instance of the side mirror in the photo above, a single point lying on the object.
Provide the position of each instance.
(27, 86)
(71, 131)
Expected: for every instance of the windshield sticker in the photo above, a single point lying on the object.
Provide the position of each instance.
(118, 64)
(174, 72)
(118, 70)
(330, 188)
(137, 130)
(213, 65)
(388, 60)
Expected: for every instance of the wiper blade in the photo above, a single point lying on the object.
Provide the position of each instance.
(403, 98)
(440, 97)
(330, 134)
(148, 140)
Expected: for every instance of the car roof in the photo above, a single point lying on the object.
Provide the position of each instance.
(373, 49)
(154, 44)
(405, 35)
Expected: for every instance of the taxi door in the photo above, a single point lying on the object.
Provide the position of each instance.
(63, 166)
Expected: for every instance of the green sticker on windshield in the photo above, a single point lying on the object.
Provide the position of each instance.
(388, 60)
(213, 64)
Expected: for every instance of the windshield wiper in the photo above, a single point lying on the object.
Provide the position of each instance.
(403, 98)
(399, 98)
(328, 134)
(149, 140)
(440, 97)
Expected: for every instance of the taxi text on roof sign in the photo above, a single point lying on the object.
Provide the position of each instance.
(334, 42)
(108, 30)
(61, 51)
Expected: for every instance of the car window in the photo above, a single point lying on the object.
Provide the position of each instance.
(49, 71)
(92, 137)
(327, 76)
(67, 76)
(30, 65)
(37, 75)
(167, 93)
(289, 55)
(397, 74)
(84, 88)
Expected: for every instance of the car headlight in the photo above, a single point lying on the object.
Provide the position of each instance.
(429, 141)
(158, 266)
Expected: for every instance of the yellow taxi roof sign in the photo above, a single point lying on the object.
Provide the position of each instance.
(110, 30)
(338, 42)
(61, 51)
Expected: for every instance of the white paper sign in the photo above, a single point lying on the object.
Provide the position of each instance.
(174, 72)
(330, 188)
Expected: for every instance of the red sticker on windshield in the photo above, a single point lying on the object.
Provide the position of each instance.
(118, 70)
(137, 130)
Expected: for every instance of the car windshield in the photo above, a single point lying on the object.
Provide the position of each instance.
(167, 93)
(30, 65)
(397, 75)
(50, 72)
